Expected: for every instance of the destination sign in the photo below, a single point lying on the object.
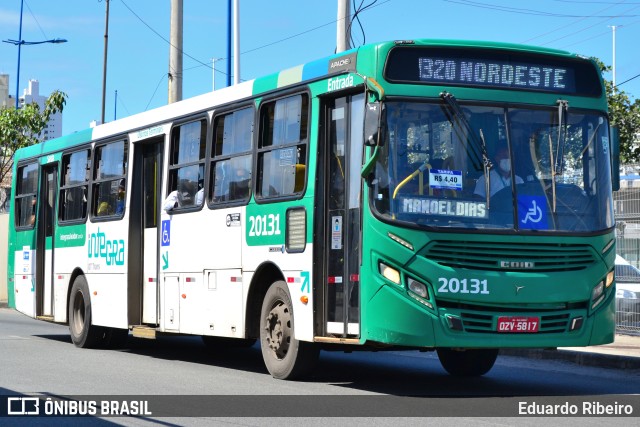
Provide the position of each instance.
(493, 68)
(496, 73)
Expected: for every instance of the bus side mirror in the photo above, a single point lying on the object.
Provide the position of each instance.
(372, 116)
(615, 158)
(374, 121)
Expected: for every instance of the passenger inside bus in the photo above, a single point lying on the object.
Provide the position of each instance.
(121, 198)
(499, 176)
(32, 218)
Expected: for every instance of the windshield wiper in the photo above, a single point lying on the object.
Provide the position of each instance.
(563, 106)
(481, 160)
(558, 162)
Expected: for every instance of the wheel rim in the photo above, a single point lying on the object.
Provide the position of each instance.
(78, 313)
(278, 329)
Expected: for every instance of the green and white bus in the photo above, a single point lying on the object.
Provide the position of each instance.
(436, 195)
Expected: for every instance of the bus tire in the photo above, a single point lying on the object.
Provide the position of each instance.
(286, 358)
(467, 363)
(83, 333)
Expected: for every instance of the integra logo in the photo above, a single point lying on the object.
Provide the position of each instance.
(522, 265)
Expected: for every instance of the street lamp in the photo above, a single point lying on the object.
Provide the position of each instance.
(19, 43)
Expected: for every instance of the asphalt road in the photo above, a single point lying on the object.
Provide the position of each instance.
(39, 358)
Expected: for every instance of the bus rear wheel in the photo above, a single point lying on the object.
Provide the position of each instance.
(467, 363)
(83, 333)
(284, 356)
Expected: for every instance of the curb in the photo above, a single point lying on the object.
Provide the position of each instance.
(599, 360)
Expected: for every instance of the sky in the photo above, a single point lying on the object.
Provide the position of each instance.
(274, 35)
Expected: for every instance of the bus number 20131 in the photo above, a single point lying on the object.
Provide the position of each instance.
(462, 286)
(264, 225)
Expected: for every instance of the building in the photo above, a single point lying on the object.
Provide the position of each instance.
(5, 101)
(32, 94)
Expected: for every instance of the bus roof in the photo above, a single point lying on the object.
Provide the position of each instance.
(333, 64)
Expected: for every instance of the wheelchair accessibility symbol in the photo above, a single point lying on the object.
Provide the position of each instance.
(532, 212)
(166, 233)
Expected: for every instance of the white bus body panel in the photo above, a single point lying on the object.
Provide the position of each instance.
(106, 258)
(66, 260)
(149, 279)
(24, 281)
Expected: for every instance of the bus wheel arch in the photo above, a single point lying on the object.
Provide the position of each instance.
(266, 274)
(76, 272)
(83, 333)
(467, 362)
(284, 356)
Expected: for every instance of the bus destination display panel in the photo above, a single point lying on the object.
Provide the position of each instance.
(492, 69)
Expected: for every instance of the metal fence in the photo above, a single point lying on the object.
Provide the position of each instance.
(627, 214)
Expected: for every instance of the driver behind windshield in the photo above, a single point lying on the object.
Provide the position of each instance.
(500, 175)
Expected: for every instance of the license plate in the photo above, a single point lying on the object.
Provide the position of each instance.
(518, 325)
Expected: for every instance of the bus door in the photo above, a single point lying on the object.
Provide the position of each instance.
(44, 240)
(146, 198)
(342, 215)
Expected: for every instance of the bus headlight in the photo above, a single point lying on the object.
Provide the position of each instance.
(389, 273)
(418, 288)
(609, 279)
(418, 291)
(597, 294)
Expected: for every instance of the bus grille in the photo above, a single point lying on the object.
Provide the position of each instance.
(554, 318)
(486, 323)
(539, 257)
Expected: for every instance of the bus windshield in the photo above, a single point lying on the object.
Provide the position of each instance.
(494, 167)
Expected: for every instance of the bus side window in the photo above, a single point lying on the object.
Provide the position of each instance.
(25, 195)
(232, 159)
(109, 182)
(73, 190)
(282, 148)
(186, 168)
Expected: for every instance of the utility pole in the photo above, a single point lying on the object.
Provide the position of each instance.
(343, 34)
(175, 53)
(19, 48)
(104, 61)
(613, 67)
(236, 42)
(213, 72)
(229, 22)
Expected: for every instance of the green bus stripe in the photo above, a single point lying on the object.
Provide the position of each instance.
(290, 76)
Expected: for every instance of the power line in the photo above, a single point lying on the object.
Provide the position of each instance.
(565, 26)
(583, 29)
(591, 2)
(628, 80)
(529, 11)
(154, 92)
(359, 9)
(162, 37)
(36, 19)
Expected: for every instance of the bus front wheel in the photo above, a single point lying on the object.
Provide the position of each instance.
(83, 333)
(467, 363)
(284, 356)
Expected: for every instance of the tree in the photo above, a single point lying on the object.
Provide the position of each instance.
(625, 115)
(21, 128)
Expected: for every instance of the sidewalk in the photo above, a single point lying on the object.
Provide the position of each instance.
(623, 353)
